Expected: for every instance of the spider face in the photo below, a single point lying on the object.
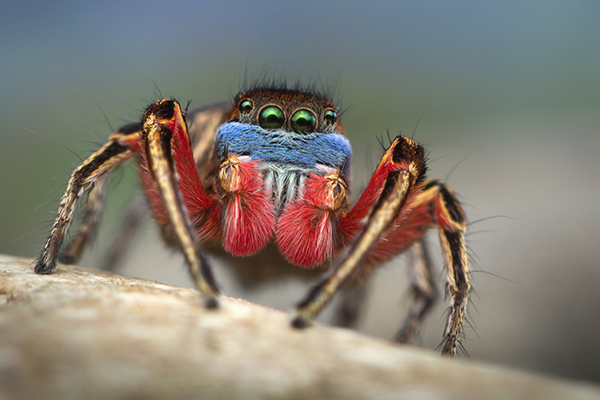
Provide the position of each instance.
(285, 109)
(275, 167)
(293, 134)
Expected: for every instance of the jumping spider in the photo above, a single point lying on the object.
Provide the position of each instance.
(275, 167)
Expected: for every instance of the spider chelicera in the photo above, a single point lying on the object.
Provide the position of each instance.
(274, 167)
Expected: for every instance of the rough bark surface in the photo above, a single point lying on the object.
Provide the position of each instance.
(79, 334)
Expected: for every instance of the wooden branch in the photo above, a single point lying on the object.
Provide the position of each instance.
(80, 334)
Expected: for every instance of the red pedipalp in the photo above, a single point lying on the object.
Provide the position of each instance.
(306, 228)
(248, 208)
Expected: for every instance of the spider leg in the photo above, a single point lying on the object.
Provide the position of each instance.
(121, 147)
(404, 161)
(438, 201)
(89, 222)
(166, 152)
(94, 206)
(451, 223)
(423, 292)
(205, 122)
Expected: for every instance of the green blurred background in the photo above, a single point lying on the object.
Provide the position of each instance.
(508, 97)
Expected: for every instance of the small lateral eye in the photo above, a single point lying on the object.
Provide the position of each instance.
(330, 117)
(303, 121)
(271, 117)
(246, 106)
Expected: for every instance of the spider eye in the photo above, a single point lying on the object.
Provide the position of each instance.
(246, 106)
(304, 121)
(330, 117)
(271, 117)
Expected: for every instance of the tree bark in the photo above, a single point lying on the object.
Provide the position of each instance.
(82, 334)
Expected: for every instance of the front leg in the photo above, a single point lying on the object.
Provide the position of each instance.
(167, 156)
(403, 165)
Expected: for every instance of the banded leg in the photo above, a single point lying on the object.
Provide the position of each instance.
(205, 122)
(423, 292)
(89, 222)
(121, 147)
(451, 222)
(166, 152)
(406, 163)
(94, 206)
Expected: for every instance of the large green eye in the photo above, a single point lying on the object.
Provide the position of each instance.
(271, 117)
(304, 121)
(246, 106)
(330, 117)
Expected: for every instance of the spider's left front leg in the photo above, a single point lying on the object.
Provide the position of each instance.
(400, 170)
(402, 209)
(168, 169)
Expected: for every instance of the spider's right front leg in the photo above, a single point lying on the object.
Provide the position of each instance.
(174, 188)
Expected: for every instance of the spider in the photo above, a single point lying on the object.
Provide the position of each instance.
(275, 167)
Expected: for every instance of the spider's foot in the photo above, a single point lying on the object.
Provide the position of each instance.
(449, 346)
(211, 302)
(309, 308)
(300, 322)
(44, 268)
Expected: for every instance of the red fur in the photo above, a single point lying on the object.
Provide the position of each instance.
(409, 226)
(131, 141)
(355, 219)
(248, 212)
(152, 192)
(203, 211)
(305, 230)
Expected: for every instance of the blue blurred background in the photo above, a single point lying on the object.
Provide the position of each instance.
(507, 93)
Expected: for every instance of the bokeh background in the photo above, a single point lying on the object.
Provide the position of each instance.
(506, 95)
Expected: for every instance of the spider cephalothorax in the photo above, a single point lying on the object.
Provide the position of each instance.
(277, 151)
(275, 167)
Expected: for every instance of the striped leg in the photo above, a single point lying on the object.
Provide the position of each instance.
(92, 212)
(405, 165)
(168, 161)
(121, 147)
(450, 220)
(423, 293)
(452, 224)
(94, 206)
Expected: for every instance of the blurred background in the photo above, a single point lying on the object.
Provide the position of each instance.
(505, 96)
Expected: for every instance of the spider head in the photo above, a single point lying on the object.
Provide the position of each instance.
(287, 110)
(290, 134)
